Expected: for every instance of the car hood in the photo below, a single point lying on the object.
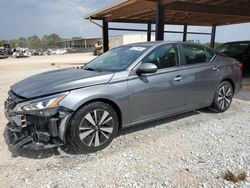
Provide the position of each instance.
(59, 81)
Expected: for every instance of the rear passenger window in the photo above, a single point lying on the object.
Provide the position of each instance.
(197, 54)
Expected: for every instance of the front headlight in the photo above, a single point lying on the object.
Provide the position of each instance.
(41, 104)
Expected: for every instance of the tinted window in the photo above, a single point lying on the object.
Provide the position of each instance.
(116, 59)
(163, 57)
(210, 54)
(197, 54)
(233, 49)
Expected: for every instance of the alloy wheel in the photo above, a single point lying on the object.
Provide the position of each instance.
(96, 128)
(224, 96)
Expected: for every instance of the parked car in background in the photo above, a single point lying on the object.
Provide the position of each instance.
(238, 50)
(5, 48)
(47, 52)
(21, 53)
(4, 54)
(71, 50)
(59, 52)
(125, 86)
(35, 52)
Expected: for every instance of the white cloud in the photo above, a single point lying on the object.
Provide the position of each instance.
(36, 17)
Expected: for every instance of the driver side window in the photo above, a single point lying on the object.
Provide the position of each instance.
(163, 57)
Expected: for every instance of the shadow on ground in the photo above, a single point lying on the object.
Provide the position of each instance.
(243, 95)
(156, 123)
(46, 153)
(35, 154)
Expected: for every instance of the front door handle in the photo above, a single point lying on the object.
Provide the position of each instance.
(178, 78)
(216, 69)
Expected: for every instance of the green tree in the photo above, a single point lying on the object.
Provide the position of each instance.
(2, 42)
(14, 43)
(34, 42)
(44, 41)
(51, 41)
(22, 42)
(216, 44)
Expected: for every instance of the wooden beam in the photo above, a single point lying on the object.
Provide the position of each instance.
(163, 1)
(144, 30)
(152, 21)
(208, 9)
(142, 6)
(144, 13)
(108, 9)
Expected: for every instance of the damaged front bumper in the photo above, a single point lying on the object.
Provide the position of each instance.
(35, 130)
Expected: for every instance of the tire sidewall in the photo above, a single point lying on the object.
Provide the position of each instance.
(77, 118)
(216, 102)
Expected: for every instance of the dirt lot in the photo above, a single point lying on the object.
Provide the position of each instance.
(190, 150)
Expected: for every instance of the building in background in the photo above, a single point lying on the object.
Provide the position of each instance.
(80, 45)
(88, 44)
(119, 40)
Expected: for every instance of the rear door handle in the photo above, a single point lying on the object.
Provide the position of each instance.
(178, 78)
(215, 69)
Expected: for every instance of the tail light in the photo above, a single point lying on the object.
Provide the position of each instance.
(240, 65)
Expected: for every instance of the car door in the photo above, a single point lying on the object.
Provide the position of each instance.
(156, 94)
(202, 74)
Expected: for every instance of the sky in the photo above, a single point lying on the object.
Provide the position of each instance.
(24, 18)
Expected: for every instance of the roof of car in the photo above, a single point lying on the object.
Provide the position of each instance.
(237, 42)
(156, 43)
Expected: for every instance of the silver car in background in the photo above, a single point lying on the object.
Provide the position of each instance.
(128, 85)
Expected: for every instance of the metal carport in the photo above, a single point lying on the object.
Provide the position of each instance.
(178, 12)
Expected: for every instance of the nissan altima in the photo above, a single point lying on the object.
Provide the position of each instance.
(126, 86)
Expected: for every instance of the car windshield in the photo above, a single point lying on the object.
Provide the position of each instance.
(233, 49)
(116, 59)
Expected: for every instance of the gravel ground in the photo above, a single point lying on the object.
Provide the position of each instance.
(190, 150)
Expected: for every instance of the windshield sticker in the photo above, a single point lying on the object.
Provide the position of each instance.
(140, 49)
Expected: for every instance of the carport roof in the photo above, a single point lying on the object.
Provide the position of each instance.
(191, 12)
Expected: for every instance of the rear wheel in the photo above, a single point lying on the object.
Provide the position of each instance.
(93, 127)
(223, 97)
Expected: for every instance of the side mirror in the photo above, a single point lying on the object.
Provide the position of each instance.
(146, 68)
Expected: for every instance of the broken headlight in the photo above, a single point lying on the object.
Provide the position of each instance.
(44, 106)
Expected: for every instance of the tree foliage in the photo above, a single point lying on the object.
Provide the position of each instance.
(216, 44)
(34, 42)
(49, 41)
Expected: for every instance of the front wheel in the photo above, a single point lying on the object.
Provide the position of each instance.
(223, 97)
(93, 127)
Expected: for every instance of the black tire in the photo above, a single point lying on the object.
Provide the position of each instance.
(98, 122)
(223, 97)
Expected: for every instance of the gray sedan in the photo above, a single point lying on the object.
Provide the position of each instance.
(128, 85)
